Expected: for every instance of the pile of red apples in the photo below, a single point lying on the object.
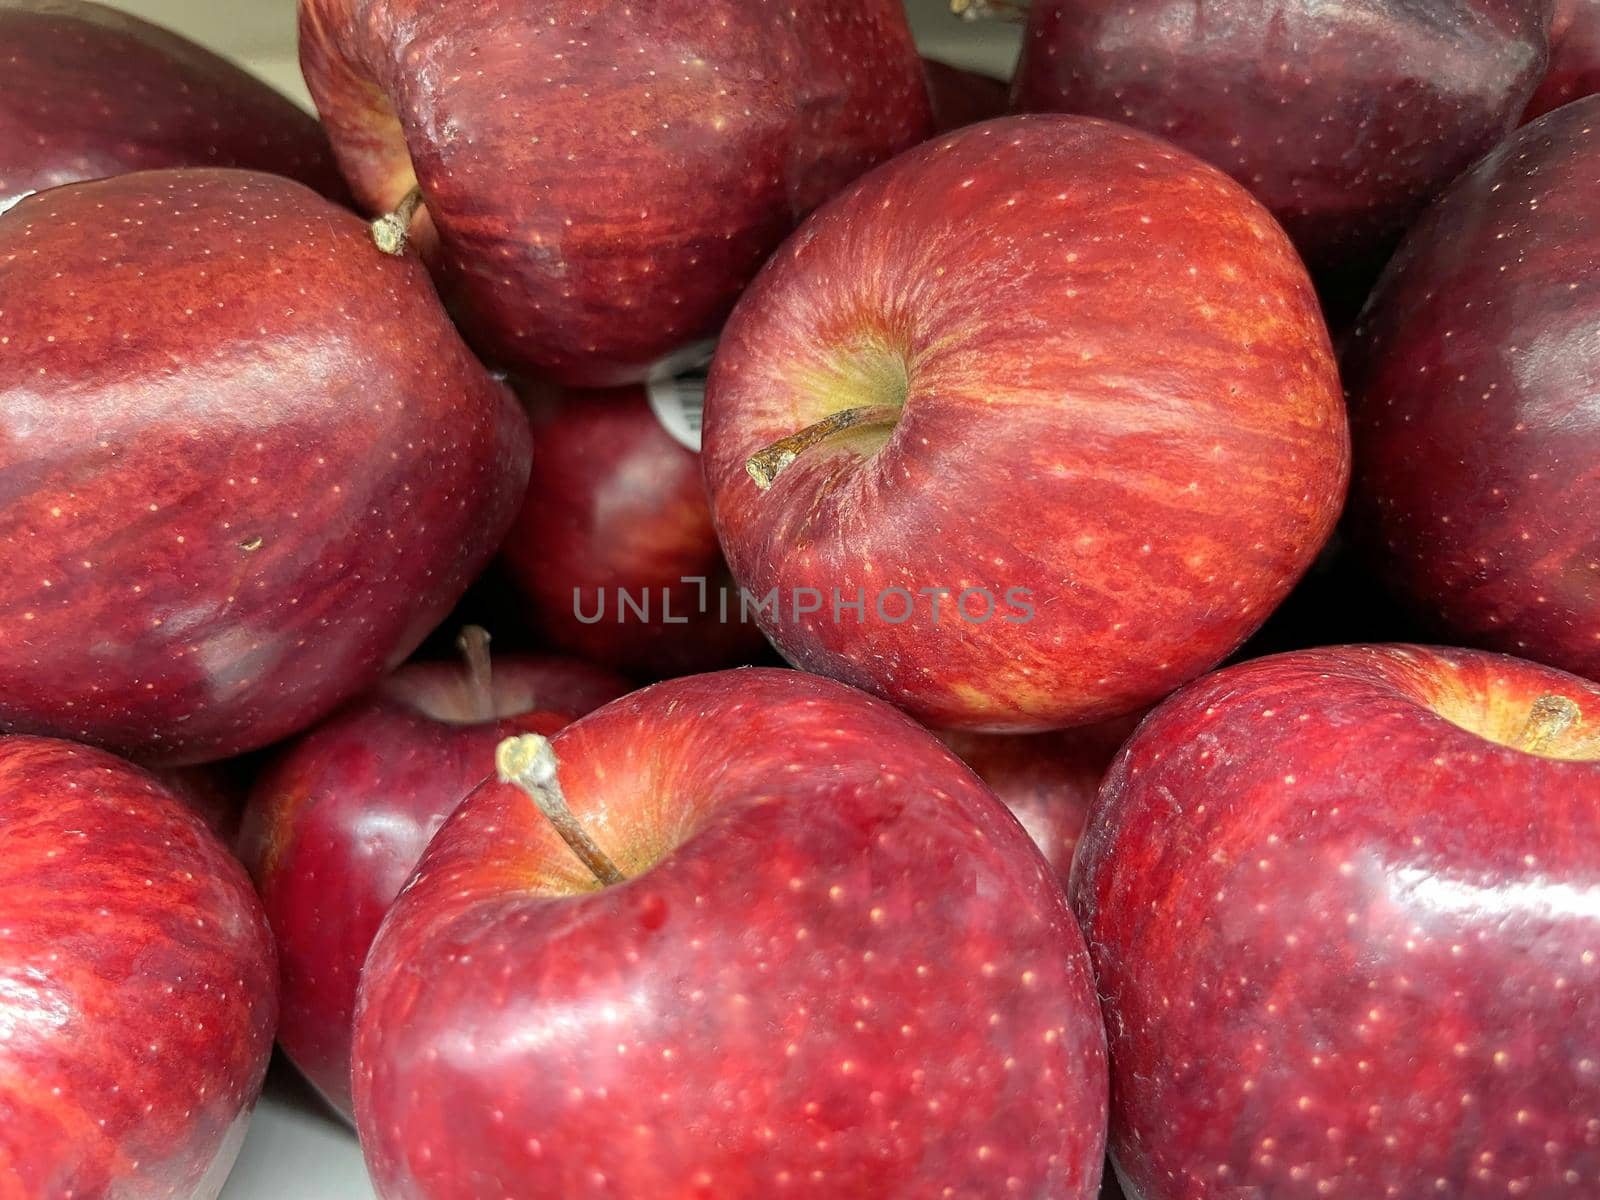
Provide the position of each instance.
(678, 602)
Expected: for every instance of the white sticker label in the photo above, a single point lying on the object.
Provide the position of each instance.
(678, 394)
(7, 203)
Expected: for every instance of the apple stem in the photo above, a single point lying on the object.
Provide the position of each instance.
(389, 231)
(1550, 717)
(473, 642)
(766, 465)
(529, 761)
(990, 10)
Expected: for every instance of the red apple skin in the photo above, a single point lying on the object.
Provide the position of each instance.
(137, 995)
(603, 183)
(243, 447)
(1346, 946)
(1047, 780)
(838, 969)
(1120, 397)
(1473, 374)
(92, 92)
(617, 505)
(212, 791)
(1574, 57)
(961, 97)
(1344, 119)
(336, 824)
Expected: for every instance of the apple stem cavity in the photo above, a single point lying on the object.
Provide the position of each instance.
(990, 10)
(529, 761)
(473, 642)
(390, 231)
(1549, 719)
(766, 465)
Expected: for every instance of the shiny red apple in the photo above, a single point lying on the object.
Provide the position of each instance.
(1047, 780)
(90, 91)
(1051, 401)
(614, 548)
(601, 182)
(827, 964)
(1345, 119)
(248, 462)
(1574, 57)
(1344, 910)
(962, 97)
(137, 991)
(1473, 378)
(338, 821)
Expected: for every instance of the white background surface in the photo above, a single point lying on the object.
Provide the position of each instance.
(297, 1150)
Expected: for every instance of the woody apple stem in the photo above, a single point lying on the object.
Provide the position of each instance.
(1548, 720)
(766, 465)
(990, 10)
(473, 642)
(529, 761)
(390, 231)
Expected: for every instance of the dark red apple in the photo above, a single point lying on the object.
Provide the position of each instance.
(1047, 780)
(1052, 400)
(614, 548)
(601, 182)
(1345, 119)
(1473, 378)
(826, 963)
(248, 462)
(1574, 57)
(961, 97)
(1344, 910)
(337, 822)
(211, 790)
(137, 992)
(90, 91)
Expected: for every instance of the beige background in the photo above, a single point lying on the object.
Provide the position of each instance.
(260, 34)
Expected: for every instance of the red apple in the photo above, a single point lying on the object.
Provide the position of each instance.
(1047, 780)
(136, 984)
(825, 963)
(1345, 119)
(1574, 57)
(1473, 378)
(1053, 400)
(337, 823)
(91, 92)
(1344, 910)
(614, 548)
(249, 464)
(212, 791)
(601, 182)
(961, 97)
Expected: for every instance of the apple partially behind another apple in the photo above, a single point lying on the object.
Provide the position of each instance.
(338, 820)
(825, 962)
(91, 91)
(1345, 119)
(1473, 376)
(1049, 781)
(962, 97)
(1574, 70)
(249, 463)
(614, 550)
(137, 986)
(1344, 910)
(1052, 401)
(599, 183)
